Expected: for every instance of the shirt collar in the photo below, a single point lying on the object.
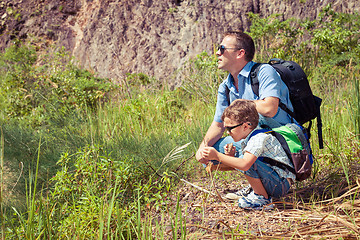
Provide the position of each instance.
(244, 143)
(246, 70)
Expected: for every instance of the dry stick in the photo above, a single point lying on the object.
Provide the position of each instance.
(22, 167)
(197, 187)
(329, 217)
(322, 231)
(292, 204)
(302, 230)
(212, 184)
(248, 236)
(345, 223)
(348, 193)
(184, 162)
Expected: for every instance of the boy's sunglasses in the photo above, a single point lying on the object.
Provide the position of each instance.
(232, 127)
(222, 48)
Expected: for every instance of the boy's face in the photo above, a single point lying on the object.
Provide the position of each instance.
(235, 129)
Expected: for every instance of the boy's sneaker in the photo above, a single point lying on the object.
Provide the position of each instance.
(239, 194)
(256, 202)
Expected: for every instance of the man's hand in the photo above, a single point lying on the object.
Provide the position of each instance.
(198, 155)
(213, 134)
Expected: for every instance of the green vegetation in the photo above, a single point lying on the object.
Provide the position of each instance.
(97, 155)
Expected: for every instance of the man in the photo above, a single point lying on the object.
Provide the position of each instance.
(235, 55)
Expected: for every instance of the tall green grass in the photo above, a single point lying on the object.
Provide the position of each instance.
(99, 167)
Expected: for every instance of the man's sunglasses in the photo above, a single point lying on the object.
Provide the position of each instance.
(232, 127)
(222, 48)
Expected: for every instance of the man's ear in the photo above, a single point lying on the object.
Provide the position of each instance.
(241, 53)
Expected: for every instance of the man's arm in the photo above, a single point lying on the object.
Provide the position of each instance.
(268, 106)
(213, 134)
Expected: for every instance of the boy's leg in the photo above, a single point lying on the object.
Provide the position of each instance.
(274, 185)
(257, 186)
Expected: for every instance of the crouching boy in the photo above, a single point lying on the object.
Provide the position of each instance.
(241, 120)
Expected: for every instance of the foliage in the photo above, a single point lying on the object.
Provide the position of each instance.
(332, 38)
(336, 36)
(116, 155)
(274, 37)
(92, 192)
(200, 77)
(86, 185)
(40, 95)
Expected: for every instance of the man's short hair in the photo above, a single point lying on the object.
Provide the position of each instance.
(243, 41)
(242, 110)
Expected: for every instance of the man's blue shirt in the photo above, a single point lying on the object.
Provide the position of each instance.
(270, 85)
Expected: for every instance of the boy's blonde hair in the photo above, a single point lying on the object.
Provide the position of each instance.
(241, 111)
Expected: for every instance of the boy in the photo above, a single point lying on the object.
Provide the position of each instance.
(241, 120)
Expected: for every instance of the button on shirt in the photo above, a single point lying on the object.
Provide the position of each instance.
(270, 85)
(266, 145)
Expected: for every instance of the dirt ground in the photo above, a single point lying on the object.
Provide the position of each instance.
(299, 215)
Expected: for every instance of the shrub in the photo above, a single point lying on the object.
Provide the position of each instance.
(49, 93)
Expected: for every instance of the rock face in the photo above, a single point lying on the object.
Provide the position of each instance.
(115, 37)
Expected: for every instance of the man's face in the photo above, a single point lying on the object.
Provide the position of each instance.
(227, 59)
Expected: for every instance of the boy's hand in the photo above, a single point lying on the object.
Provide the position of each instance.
(210, 153)
(230, 149)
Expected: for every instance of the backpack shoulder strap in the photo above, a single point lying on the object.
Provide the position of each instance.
(262, 130)
(227, 93)
(254, 78)
(255, 86)
(284, 145)
(278, 136)
(286, 148)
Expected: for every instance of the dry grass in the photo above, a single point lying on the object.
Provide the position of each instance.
(296, 216)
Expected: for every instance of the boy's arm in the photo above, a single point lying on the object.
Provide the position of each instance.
(244, 163)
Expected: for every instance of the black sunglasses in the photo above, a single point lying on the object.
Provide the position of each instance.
(232, 127)
(222, 48)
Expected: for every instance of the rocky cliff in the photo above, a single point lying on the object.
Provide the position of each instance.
(115, 37)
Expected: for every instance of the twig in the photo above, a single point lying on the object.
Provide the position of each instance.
(22, 167)
(151, 167)
(197, 187)
(184, 162)
(212, 185)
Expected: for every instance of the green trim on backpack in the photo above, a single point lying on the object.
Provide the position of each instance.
(291, 138)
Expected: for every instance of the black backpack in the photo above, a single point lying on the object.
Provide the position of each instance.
(306, 105)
